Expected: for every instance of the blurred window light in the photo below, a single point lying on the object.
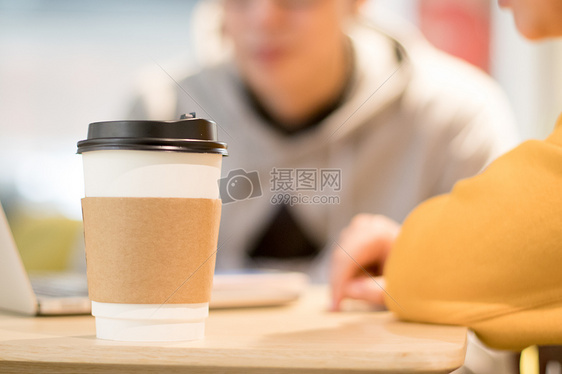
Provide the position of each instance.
(54, 178)
(64, 64)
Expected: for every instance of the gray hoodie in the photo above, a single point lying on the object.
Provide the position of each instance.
(413, 123)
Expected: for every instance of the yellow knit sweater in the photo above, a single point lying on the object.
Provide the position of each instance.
(489, 254)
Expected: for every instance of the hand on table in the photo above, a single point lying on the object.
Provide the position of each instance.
(363, 246)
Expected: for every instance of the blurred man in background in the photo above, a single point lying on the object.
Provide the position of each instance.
(327, 115)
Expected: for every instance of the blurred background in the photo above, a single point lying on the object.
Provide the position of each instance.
(64, 64)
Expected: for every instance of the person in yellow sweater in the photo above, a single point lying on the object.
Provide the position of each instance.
(487, 255)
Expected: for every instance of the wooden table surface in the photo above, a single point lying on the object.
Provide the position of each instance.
(302, 337)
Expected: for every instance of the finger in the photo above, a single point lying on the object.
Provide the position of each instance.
(348, 263)
(336, 286)
(343, 269)
(367, 289)
(361, 245)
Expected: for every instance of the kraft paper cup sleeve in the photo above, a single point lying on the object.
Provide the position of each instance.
(150, 250)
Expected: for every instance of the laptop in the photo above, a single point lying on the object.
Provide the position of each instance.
(67, 293)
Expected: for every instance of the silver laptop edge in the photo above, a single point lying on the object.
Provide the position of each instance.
(16, 293)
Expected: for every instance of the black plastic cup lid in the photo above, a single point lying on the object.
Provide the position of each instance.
(194, 135)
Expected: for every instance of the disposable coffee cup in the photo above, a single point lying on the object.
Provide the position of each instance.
(151, 219)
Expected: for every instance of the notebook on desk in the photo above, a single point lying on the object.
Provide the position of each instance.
(67, 293)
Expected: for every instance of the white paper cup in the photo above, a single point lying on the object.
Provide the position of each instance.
(160, 174)
(124, 173)
(148, 322)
